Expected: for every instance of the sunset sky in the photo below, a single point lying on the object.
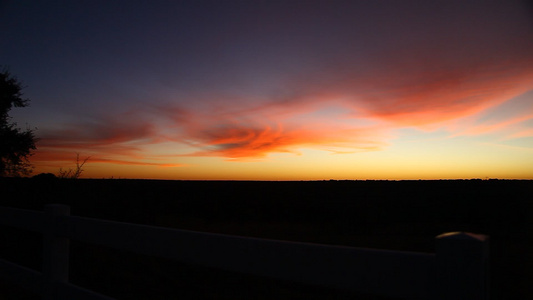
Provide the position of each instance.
(276, 90)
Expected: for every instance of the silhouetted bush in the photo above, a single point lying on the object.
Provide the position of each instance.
(45, 176)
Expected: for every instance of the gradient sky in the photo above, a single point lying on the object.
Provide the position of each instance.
(276, 90)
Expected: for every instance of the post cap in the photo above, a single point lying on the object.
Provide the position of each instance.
(459, 235)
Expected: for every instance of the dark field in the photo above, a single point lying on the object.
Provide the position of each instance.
(396, 215)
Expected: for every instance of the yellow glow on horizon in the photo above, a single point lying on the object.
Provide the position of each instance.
(404, 160)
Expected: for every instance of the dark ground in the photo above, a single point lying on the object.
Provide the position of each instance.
(396, 215)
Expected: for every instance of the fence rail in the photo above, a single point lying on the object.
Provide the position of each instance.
(458, 270)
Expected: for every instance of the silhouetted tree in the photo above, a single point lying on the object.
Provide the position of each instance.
(73, 174)
(16, 145)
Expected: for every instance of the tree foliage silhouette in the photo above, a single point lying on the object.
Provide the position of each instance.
(16, 145)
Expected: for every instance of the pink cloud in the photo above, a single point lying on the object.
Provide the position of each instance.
(106, 140)
(101, 132)
(445, 99)
(513, 123)
(58, 158)
(522, 134)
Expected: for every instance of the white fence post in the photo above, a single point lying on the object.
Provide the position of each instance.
(462, 266)
(55, 252)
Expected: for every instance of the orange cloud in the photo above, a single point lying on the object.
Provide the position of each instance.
(134, 163)
(251, 133)
(238, 143)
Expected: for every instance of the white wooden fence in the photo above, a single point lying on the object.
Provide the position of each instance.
(458, 269)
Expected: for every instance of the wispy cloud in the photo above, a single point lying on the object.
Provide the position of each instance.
(357, 114)
(118, 140)
(347, 116)
(344, 90)
(491, 127)
(250, 133)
